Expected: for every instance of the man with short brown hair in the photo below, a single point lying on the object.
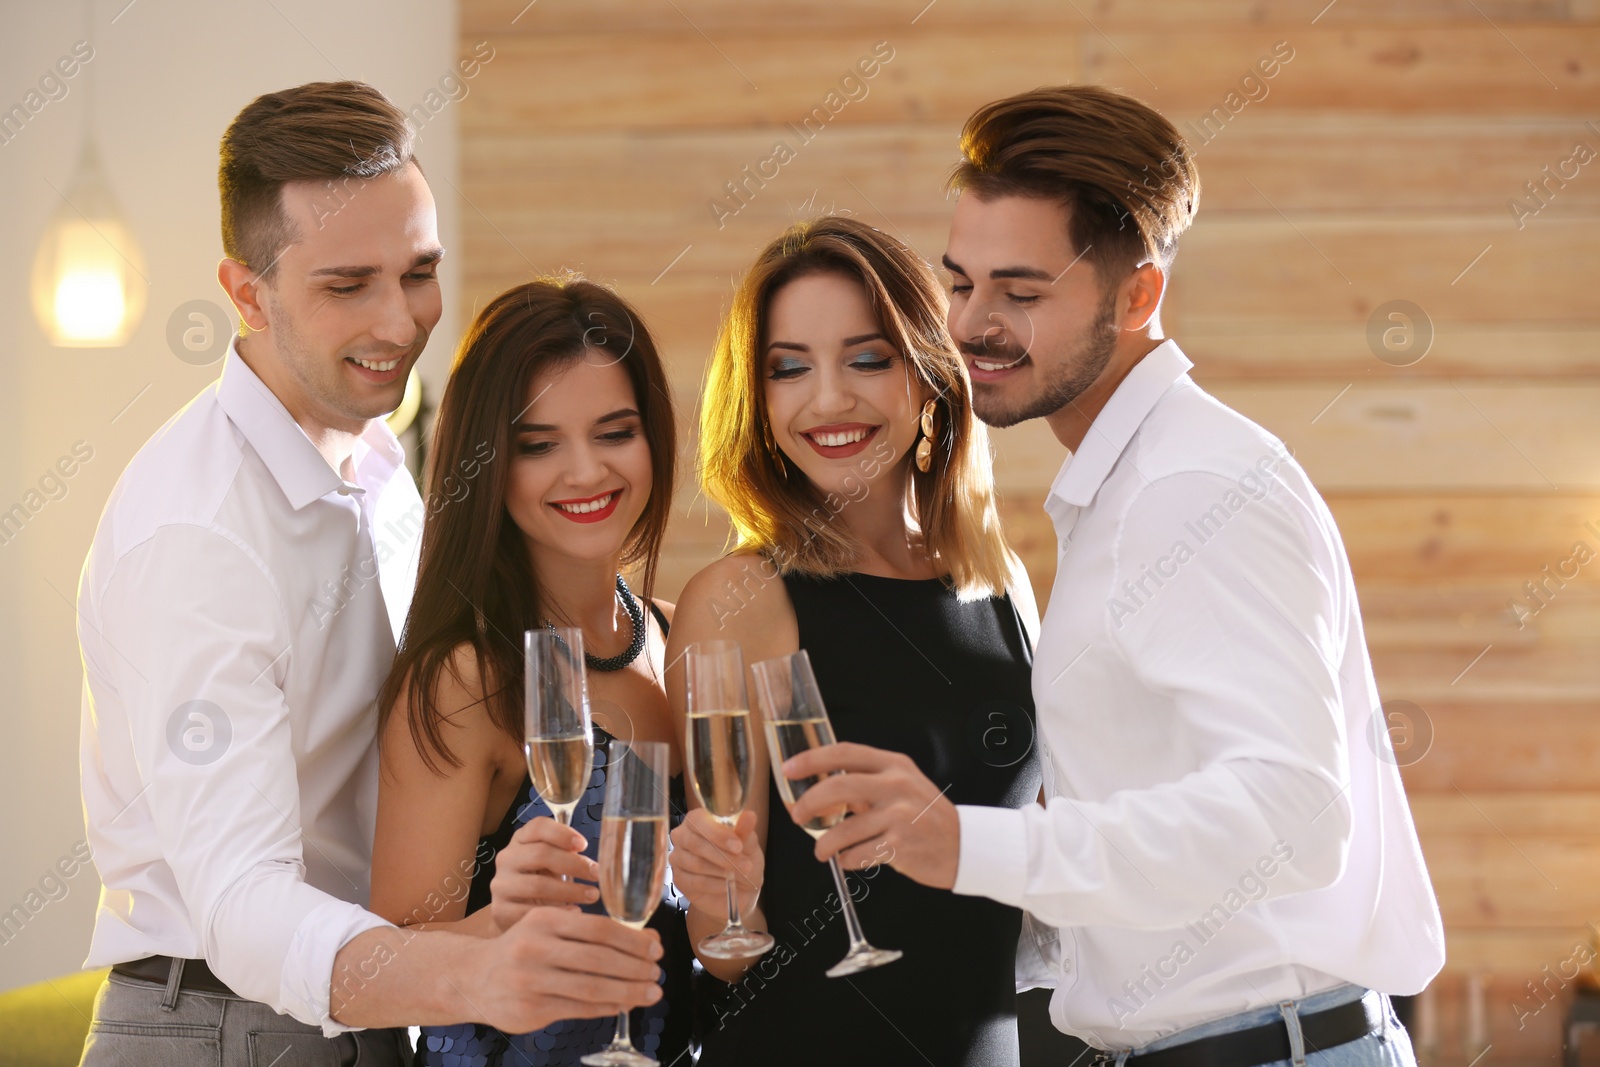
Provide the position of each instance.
(1224, 869)
(229, 753)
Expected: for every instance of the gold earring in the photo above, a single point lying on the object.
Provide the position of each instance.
(777, 456)
(929, 431)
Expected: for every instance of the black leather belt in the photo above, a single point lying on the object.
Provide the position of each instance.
(197, 977)
(1322, 1030)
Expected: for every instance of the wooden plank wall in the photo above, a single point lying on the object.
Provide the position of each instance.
(1380, 165)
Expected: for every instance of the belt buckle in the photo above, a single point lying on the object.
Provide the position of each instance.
(1102, 1058)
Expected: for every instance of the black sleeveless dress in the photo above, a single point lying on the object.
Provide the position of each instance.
(661, 1029)
(902, 665)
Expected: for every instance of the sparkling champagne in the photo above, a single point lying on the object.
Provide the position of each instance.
(560, 767)
(719, 760)
(633, 862)
(786, 738)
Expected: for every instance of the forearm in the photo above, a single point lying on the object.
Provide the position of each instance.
(478, 924)
(703, 924)
(404, 977)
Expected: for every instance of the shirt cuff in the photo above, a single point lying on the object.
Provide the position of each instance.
(993, 859)
(308, 972)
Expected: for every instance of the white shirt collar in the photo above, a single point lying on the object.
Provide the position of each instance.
(1112, 429)
(283, 446)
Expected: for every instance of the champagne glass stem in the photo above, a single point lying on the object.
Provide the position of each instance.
(852, 924)
(622, 1039)
(733, 907)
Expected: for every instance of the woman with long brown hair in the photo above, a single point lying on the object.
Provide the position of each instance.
(837, 430)
(551, 474)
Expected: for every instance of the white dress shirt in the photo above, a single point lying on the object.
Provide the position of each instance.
(1226, 826)
(238, 612)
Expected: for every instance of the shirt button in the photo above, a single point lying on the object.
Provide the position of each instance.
(1066, 966)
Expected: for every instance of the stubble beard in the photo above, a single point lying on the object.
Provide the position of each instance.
(1067, 380)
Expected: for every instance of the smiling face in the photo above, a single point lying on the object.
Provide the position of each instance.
(1031, 317)
(841, 399)
(582, 474)
(351, 302)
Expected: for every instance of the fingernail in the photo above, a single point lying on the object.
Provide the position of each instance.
(655, 994)
(655, 950)
(591, 895)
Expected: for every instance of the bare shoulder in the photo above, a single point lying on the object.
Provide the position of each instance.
(739, 597)
(666, 607)
(459, 709)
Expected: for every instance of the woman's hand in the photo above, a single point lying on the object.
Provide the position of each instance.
(705, 852)
(528, 872)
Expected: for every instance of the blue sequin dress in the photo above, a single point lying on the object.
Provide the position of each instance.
(661, 1029)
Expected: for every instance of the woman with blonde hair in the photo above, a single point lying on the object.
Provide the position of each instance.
(837, 431)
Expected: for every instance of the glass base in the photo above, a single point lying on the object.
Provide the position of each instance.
(735, 943)
(615, 1055)
(863, 958)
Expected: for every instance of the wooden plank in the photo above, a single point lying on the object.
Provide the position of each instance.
(1472, 69)
(1438, 539)
(1490, 880)
(1468, 617)
(1291, 349)
(1499, 675)
(1419, 437)
(681, 78)
(480, 18)
(1231, 269)
(1304, 163)
(1281, 266)
(1518, 744)
(1517, 952)
(1519, 816)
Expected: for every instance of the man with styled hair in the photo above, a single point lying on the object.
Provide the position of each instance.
(1206, 704)
(229, 749)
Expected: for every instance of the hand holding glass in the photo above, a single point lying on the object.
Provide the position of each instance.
(718, 748)
(796, 720)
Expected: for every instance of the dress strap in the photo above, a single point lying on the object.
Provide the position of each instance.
(661, 618)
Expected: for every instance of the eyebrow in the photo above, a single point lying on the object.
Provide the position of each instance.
(424, 260)
(1029, 273)
(859, 339)
(545, 427)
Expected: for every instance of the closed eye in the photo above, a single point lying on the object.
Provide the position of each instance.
(785, 369)
(872, 363)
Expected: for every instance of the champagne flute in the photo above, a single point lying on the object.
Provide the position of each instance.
(558, 741)
(718, 748)
(633, 860)
(797, 720)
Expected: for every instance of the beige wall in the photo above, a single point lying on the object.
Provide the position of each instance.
(168, 77)
(1377, 166)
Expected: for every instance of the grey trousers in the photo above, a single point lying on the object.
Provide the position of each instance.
(144, 1024)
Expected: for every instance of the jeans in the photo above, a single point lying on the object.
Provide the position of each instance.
(144, 1024)
(1389, 1047)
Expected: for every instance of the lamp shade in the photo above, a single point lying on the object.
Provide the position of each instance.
(88, 275)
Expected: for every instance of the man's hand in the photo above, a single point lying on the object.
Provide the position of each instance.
(527, 872)
(896, 816)
(705, 852)
(556, 963)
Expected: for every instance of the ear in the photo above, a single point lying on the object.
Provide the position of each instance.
(1140, 297)
(244, 289)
